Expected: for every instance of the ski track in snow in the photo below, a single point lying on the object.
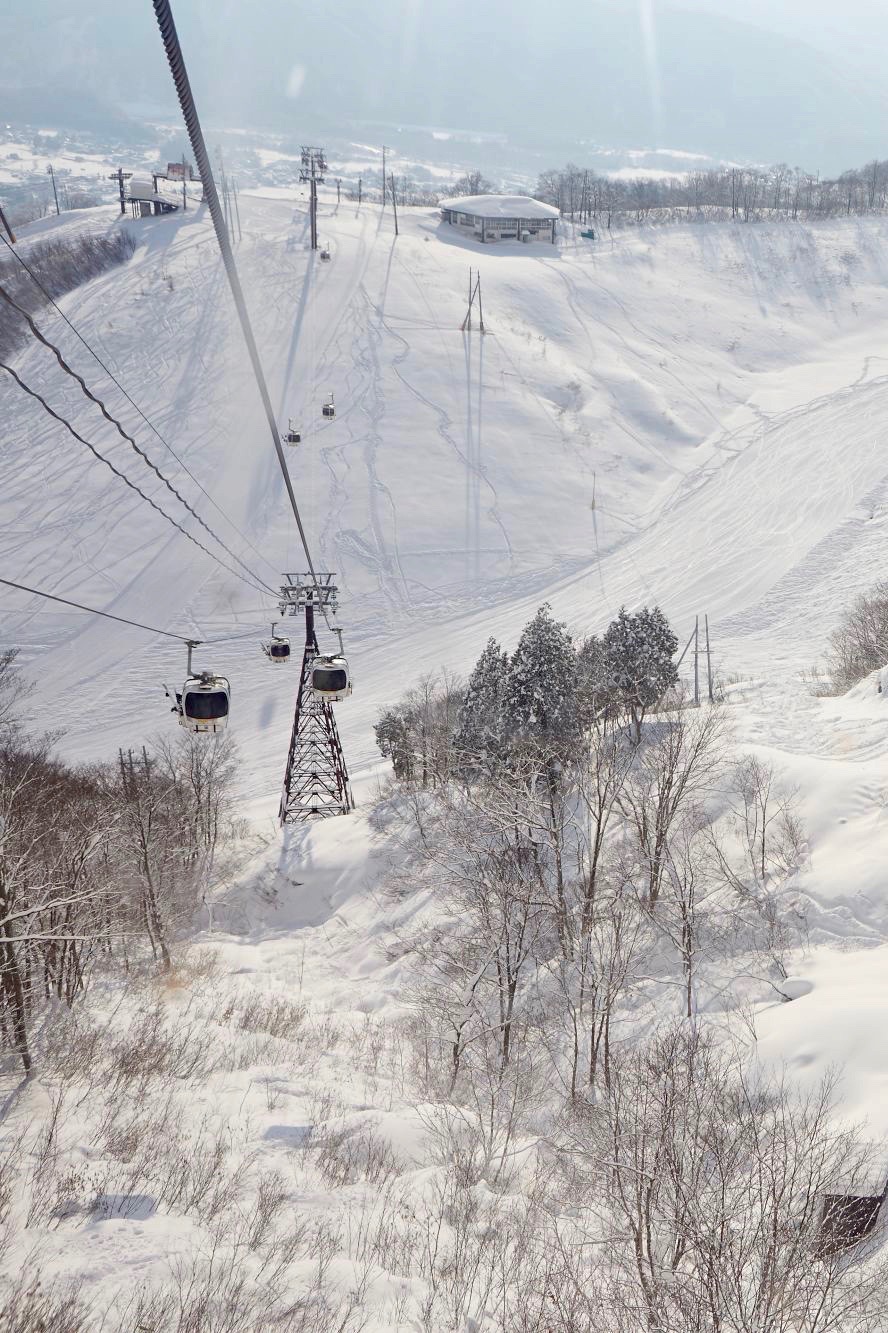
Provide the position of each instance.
(717, 382)
(435, 494)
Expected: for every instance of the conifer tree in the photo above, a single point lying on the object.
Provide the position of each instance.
(480, 729)
(638, 668)
(541, 698)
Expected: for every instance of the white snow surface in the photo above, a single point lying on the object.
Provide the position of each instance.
(696, 417)
(501, 206)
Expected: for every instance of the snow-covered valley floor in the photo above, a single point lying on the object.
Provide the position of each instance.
(694, 417)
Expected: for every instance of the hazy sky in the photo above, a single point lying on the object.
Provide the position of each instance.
(794, 80)
(859, 28)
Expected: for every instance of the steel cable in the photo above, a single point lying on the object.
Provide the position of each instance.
(124, 478)
(41, 337)
(173, 49)
(66, 601)
(133, 404)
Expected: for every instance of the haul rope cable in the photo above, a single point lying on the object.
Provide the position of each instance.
(108, 615)
(134, 405)
(124, 478)
(176, 61)
(66, 601)
(41, 337)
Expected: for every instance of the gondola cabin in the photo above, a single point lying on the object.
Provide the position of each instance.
(292, 436)
(328, 410)
(205, 703)
(278, 650)
(325, 253)
(331, 678)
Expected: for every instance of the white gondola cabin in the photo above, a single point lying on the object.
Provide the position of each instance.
(328, 410)
(204, 704)
(292, 435)
(277, 649)
(331, 678)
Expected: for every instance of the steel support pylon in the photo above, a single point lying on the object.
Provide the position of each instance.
(316, 781)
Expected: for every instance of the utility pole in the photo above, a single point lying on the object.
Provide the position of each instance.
(394, 203)
(338, 189)
(360, 188)
(120, 176)
(184, 190)
(316, 778)
(474, 292)
(383, 175)
(697, 662)
(708, 661)
(314, 168)
(54, 190)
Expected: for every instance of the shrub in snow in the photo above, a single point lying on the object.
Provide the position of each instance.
(417, 734)
(60, 266)
(860, 643)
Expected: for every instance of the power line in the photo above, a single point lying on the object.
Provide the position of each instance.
(52, 597)
(176, 61)
(124, 478)
(134, 405)
(41, 337)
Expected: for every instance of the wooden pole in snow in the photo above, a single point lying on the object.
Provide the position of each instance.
(697, 661)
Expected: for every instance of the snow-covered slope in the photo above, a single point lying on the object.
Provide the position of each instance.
(694, 416)
(714, 389)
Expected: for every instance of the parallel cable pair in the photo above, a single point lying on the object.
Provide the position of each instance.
(20, 259)
(125, 479)
(41, 337)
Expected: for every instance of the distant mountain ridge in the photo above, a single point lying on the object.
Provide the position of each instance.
(695, 80)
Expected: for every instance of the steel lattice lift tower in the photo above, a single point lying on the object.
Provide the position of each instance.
(316, 781)
(314, 168)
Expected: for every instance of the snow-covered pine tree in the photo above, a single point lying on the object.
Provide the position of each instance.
(541, 691)
(593, 694)
(393, 736)
(638, 651)
(480, 730)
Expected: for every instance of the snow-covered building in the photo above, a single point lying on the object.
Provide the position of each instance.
(501, 217)
(145, 199)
